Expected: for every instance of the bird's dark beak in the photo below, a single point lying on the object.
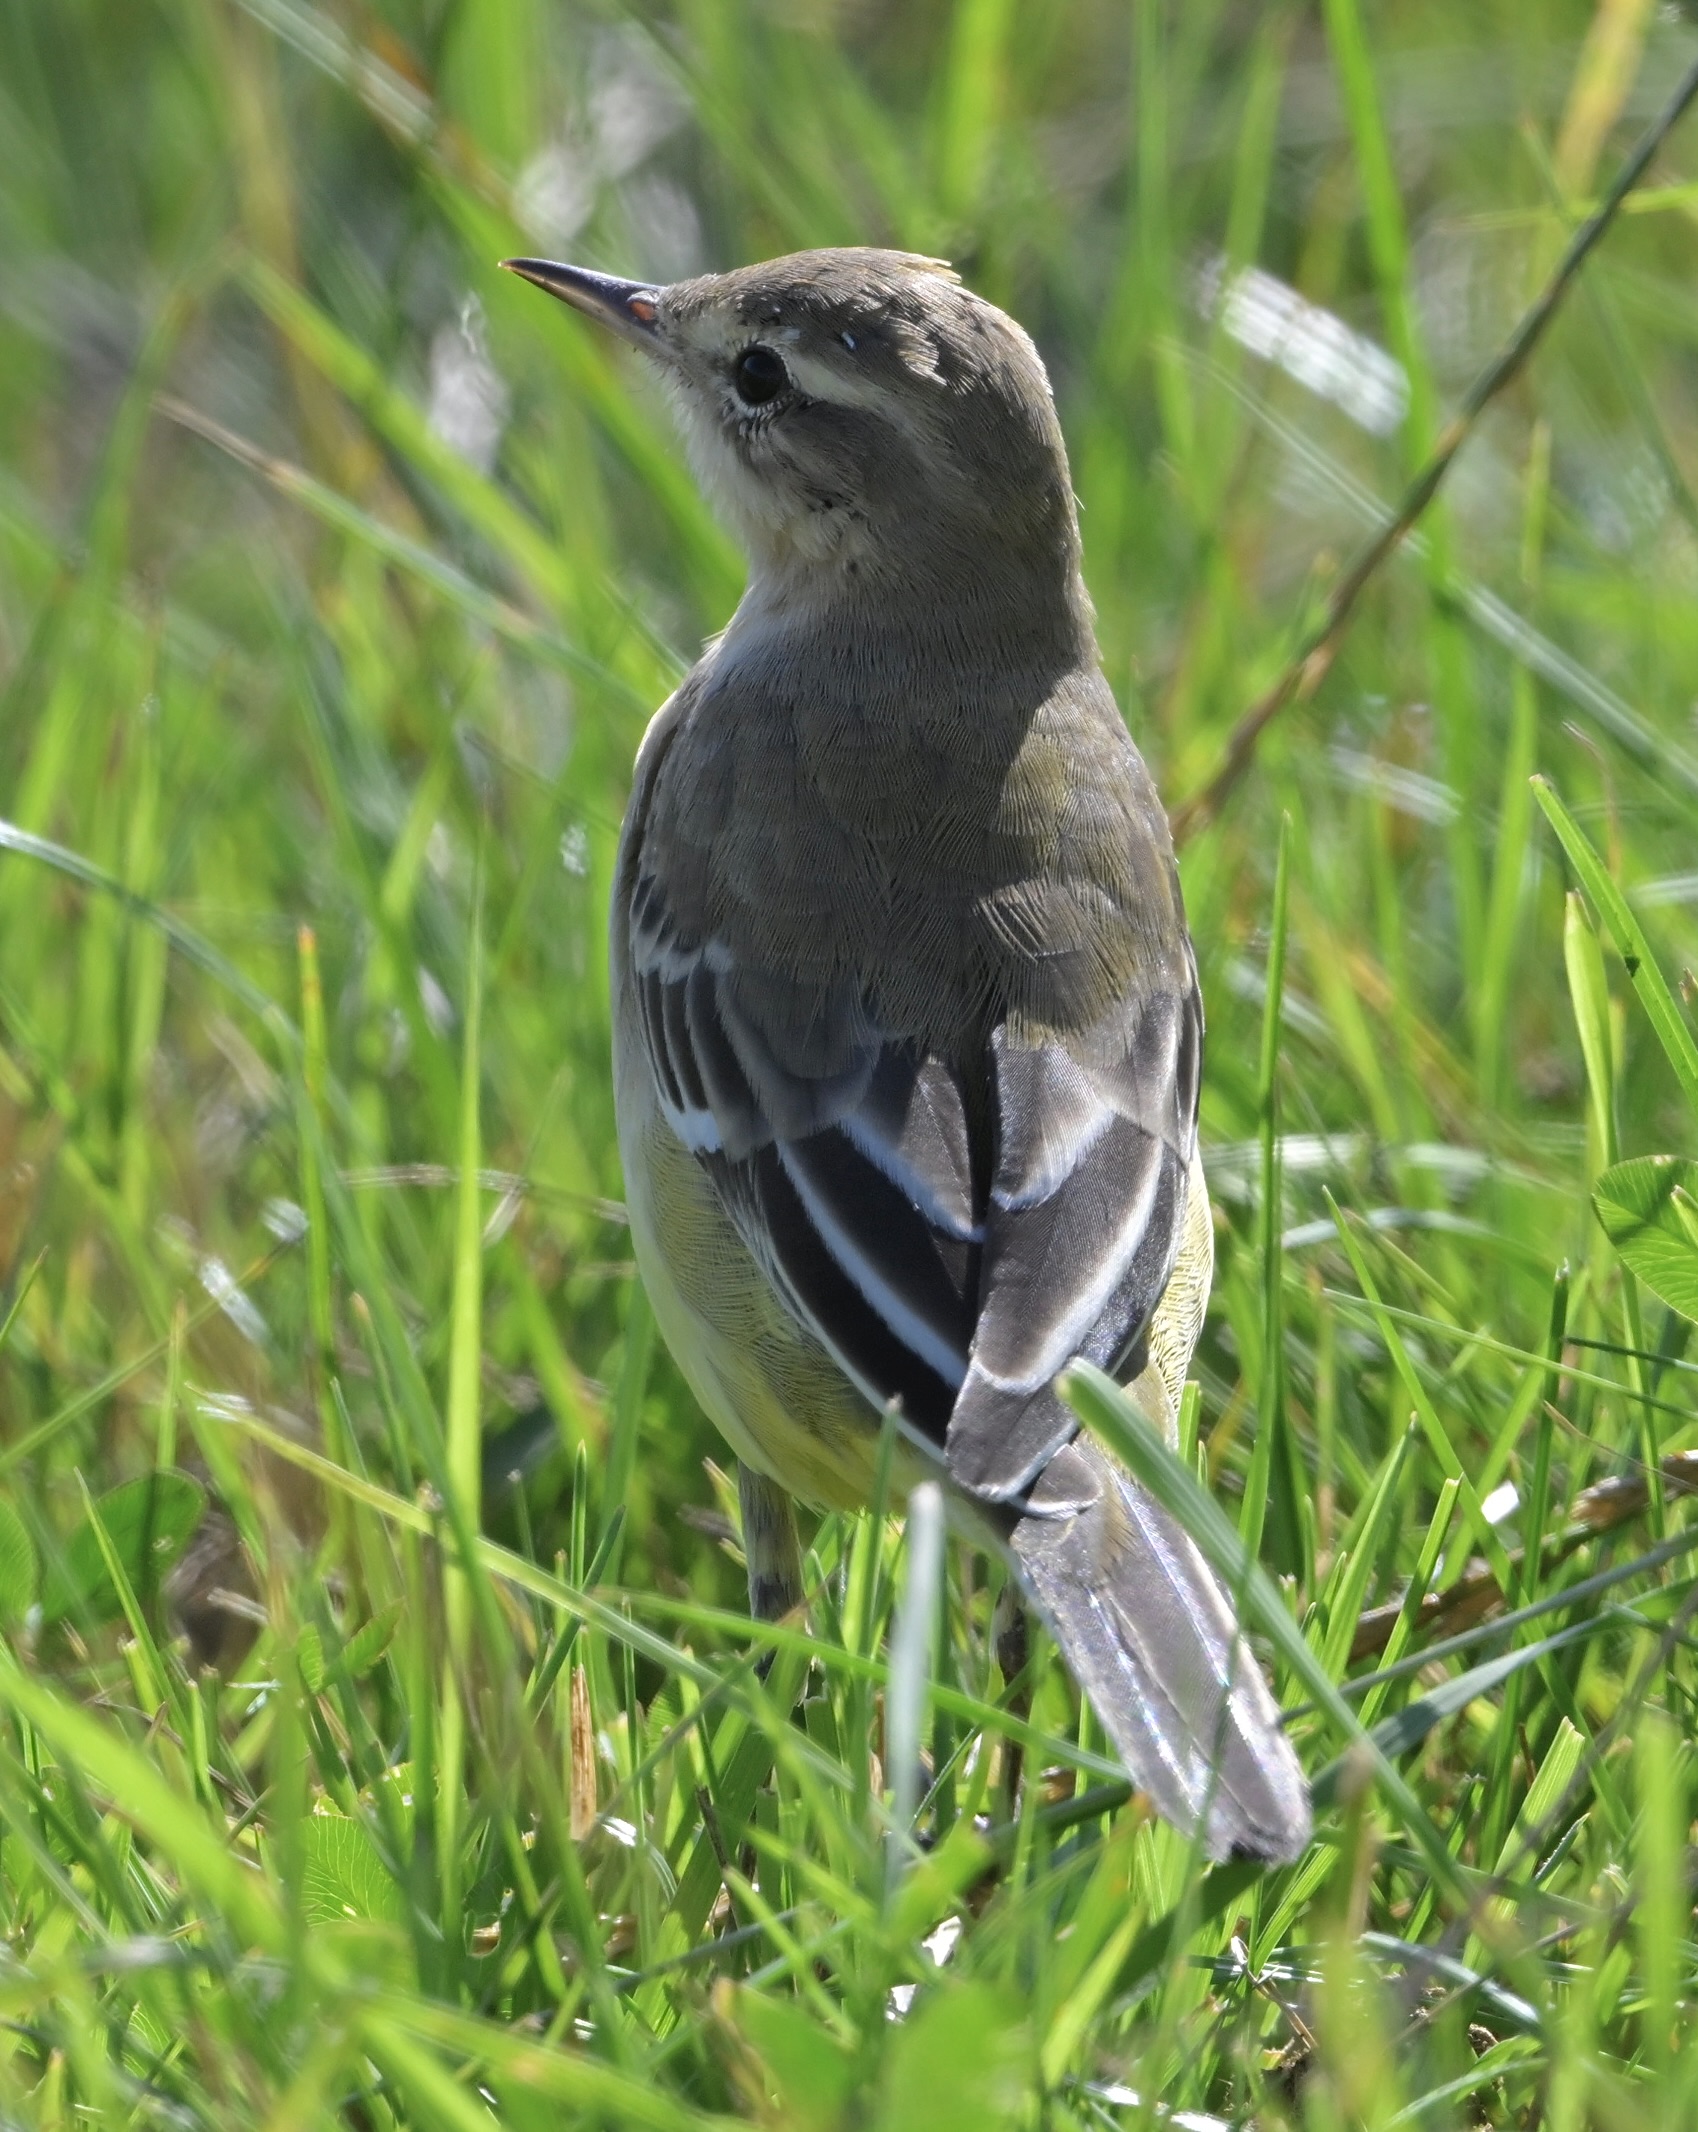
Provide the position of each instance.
(629, 307)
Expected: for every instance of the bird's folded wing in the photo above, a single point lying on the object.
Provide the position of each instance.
(1087, 1206)
(953, 1266)
(842, 1158)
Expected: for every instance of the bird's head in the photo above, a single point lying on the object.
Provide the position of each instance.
(855, 412)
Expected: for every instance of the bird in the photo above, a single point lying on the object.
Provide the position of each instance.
(908, 1033)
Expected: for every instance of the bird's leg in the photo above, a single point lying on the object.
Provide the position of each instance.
(1009, 1630)
(773, 1556)
(770, 1546)
(1011, 1638)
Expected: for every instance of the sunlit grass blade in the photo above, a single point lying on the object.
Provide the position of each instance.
(1679, 1045)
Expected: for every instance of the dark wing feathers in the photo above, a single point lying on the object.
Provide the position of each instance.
(957, 1286)
(1084, 1221)
(762, 1199)
(849, 1181)
(886, 1247)
(911, 1125)
(731, 1101)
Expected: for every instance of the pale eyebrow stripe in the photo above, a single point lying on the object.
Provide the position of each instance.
(842, 387)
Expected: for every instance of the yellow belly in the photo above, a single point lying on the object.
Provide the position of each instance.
(770, 1388)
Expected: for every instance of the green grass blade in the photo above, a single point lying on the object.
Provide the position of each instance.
(1679, 1046)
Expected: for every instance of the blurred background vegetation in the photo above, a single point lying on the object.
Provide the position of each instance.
(338, 575)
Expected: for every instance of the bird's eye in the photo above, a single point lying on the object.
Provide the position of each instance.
(759, 376)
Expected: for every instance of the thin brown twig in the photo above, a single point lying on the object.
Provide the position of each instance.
(1314, 656)
(1476, 1592)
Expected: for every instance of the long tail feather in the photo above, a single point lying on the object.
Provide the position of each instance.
(1152, 1640)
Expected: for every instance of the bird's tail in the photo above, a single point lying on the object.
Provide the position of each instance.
(1151, 1639)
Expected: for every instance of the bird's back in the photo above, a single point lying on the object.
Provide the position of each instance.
(955, 842)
